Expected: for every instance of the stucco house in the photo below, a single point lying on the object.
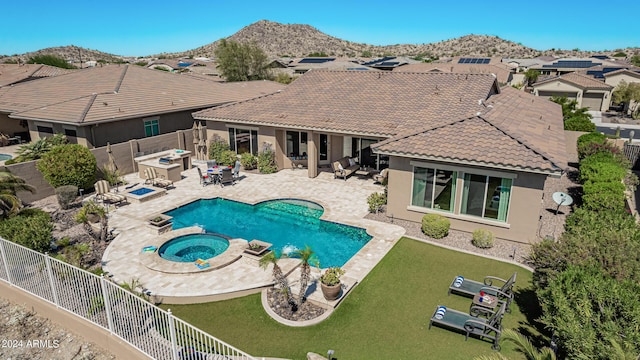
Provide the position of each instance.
(587, 91)
(454, 144)
(116, 103)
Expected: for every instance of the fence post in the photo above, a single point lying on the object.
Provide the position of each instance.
(107, 303)
(172, 332)
(47, 261)
(4, 261)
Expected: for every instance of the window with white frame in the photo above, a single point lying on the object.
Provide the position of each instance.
(434, 188)
(486, 196)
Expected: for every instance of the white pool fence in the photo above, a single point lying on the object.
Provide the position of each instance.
(148, 328)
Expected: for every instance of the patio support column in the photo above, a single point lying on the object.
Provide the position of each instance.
(312, 151)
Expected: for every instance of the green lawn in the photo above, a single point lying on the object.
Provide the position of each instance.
(384, 317)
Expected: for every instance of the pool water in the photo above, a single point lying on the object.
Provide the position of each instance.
(288, 224)
(189, 248)
(141, 191)
(5, 157)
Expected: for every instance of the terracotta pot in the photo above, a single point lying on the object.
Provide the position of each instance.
(331, 292)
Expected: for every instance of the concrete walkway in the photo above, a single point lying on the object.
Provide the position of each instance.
(344, 202)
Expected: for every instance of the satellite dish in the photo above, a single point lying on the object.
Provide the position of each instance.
(562, 199)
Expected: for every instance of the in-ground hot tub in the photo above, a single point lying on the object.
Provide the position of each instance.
(140, 194)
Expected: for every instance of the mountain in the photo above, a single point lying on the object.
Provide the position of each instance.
(70, 53)
(299, 40)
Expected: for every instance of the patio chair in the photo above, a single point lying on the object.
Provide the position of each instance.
(152, 178)
(227, 177)
(205, 179)
(211, 164)
(470, 288)
(490, 328)
(104, 194)
(379, 178)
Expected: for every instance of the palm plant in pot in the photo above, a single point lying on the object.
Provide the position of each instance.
(330, 283)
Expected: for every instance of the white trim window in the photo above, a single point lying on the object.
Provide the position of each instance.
(486, 196)
(434, 188)
(151, 127)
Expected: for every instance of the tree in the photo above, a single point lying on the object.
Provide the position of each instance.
(272, 258)
(36, 149)
(241, 62)
(635, 60)
(51, 60)
(30, 227)
(575, 119)
(10, 184)
(69, 164)
(531, 75)
(90, 209)
(629, 95)
(307, 258)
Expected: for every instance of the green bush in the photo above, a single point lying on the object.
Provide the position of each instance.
(216, 147)
(375, 201)
(591, 149)
(69, 164)
(267, 162)
(31, 228)
(435, 226)
(586, 139)
(66, 195)
(248, 161)
(606, 157)
(579, 124)
(603, 196)
(601, 172)
(482, 238)
(227, 157)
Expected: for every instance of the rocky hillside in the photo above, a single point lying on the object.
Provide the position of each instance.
(70, 53)
(301, 40)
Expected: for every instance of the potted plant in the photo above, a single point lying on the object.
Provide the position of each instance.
(330, 283)
(257, 247)
(161, 222)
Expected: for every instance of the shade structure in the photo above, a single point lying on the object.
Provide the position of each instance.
(196, 133)
(202, 143)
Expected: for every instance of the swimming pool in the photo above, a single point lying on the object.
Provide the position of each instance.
(5, 157)
(189, 248)
(287, 224)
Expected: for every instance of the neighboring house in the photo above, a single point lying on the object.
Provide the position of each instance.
(390, 62)
(614, 78)
(12, 74)
(587, 91)
(116, 103)
(503, 72)
(455, 144)
(569, 65)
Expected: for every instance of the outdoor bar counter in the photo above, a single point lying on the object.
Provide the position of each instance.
(168, 164)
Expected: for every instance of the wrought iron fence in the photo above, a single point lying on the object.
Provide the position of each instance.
(148, 328)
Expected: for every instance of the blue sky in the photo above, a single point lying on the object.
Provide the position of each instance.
(137, 28)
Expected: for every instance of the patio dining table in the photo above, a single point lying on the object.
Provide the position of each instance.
(215, 174)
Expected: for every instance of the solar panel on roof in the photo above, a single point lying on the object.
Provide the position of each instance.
(315, 60)
(474, 61)
(389, 63)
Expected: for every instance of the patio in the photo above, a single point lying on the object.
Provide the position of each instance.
(343, 201)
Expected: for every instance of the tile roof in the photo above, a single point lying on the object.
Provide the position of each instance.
(14, 73)
(363, 102)
(114, 92)
(579, 80)
(502, 71)
(516, 131)
(634, 71)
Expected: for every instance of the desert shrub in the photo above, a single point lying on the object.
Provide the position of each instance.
(579, 124)
(482, 238)
(248, 161)
(603, 196)
(69, 164)
(594, 148)
(435, 226)
(66, 194)
(608, 157)
(267, 162)
(586, 139)
(216, 147)
(375, 201)
(112, 176)
(227, 157)
(30, 228)
(601, 172)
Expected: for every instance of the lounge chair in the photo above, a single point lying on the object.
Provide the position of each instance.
(227, 177)
(379, 178)
(104, 194)
(490, 328)
(152, 178)
(470, 288)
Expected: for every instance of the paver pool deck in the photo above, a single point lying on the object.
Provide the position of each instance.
(343, 201)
